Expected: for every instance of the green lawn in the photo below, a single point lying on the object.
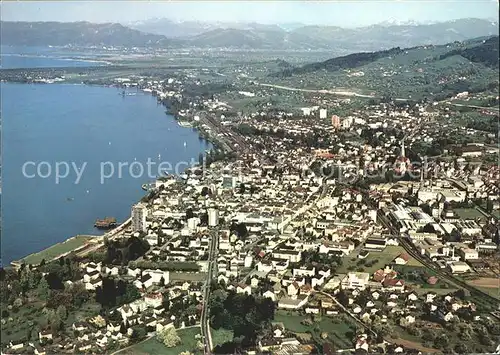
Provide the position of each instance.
(221, 336)
(154, 347)
(188, 276)
(400, 332)
(338, 329)
(56, 250)
(414, 262)
(337, 332)
(379, 260)
(291, 321)
(468, 213)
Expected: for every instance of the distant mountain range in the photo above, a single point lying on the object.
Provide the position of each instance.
(172, 29)
(76, 33)
(385, 35)
(166, 33)
(186, 29)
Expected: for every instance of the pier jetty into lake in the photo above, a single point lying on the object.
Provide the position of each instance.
(75, 244)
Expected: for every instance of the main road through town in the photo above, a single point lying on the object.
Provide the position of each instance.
(211, 271)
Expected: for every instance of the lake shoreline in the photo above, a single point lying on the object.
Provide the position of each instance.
(35, 251)
(19, 262)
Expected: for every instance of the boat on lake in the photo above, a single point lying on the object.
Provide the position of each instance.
(106, 223)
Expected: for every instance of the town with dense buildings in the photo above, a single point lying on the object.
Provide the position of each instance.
(343, 224)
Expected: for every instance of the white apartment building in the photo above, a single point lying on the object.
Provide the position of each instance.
(213, 217)
(468, 254)
(139, 213)
(355, 280)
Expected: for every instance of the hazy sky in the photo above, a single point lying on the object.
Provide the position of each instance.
(341, 13)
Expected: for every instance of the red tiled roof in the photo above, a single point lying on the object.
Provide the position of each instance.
(391, 275)
(404, 256)
(306, 287)
(379, 275)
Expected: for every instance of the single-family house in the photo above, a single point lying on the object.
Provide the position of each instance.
(269, 294)
(242, 288)
(402, 259)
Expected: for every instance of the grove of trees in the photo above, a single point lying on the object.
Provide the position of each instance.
(247, 316)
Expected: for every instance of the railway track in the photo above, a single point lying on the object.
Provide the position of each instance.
(236, 142)
(480, 296)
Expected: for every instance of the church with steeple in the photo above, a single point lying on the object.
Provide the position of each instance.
(402, 162)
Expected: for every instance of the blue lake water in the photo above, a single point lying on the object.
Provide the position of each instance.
(78, 124)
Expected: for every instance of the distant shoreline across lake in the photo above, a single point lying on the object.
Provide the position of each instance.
(45, 57)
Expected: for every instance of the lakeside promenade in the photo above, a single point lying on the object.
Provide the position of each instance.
(80, 245)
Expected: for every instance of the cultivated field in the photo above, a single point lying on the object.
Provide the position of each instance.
(415, 345)
(485, 282)
(489, 285)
